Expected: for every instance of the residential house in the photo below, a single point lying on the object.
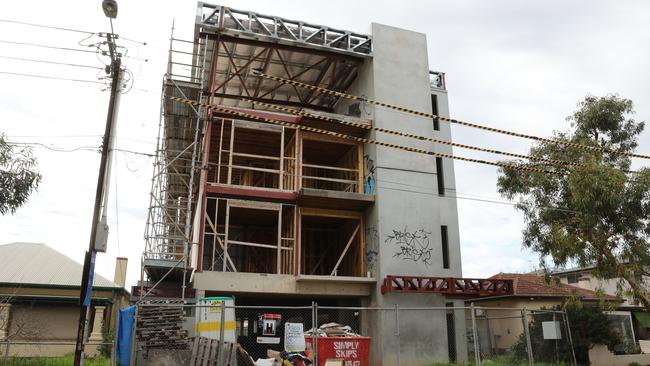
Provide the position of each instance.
(499, 318)
(39, 297)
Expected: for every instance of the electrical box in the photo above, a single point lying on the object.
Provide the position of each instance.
(101, 236)
(552, 330)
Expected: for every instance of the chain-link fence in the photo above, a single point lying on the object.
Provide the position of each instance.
(54, 353)
(512, 336)
(218, 333)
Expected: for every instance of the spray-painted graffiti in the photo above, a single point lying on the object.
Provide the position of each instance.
(369, 175)
(372, 248)
(411, 245)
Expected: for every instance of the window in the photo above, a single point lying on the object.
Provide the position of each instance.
(572, 278)
(434, 110)
(451, 332)
(441, 178)
(445, 246)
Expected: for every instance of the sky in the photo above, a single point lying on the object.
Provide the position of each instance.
(509, 64)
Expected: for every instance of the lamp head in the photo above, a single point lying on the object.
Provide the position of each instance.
(110, 8)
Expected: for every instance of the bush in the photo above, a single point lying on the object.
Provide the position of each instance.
(589, 326)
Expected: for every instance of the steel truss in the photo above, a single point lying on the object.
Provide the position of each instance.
(448, 286)
(279, 30)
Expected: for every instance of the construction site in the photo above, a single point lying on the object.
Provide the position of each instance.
(273, 194)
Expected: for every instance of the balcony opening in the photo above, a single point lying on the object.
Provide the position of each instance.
(252, 154)
(331, 164)
(248, 236)
(331, 245)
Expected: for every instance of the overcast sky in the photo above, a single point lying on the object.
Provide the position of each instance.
(517, 65)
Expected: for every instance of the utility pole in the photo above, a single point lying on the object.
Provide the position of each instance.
(99, 229)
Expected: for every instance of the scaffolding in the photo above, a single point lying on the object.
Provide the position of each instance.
(177, 164)
(205, 160)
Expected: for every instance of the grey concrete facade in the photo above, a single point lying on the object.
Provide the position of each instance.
(404, 224)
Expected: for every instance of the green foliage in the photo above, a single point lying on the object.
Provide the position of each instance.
(18, 178)
(596, 214)
(589, 326)
(105, 349)
(55, 361)
(633, 364)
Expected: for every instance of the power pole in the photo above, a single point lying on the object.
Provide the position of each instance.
(99, 229)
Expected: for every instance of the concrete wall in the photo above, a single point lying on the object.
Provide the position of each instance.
(404, 226)
(601, 356)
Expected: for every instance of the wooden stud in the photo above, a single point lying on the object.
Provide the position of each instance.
(345, 250)
(281, 177)
(310, 211)
(232, 143)
(279, 242)
(360, 174)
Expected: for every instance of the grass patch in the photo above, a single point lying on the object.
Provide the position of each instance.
(66, 360)
(499, 361)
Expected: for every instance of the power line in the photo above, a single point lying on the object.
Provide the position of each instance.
(51, 77)
(44, 26)
(51, 62)
(46, 46)
(413, 136)
(368, 141)
(450, 120)
(53, 148)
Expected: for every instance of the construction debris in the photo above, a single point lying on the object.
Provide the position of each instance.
(161, 326)
(332, 330)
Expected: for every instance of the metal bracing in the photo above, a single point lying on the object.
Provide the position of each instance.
(177, 162)
(448, 286)
(242, 23)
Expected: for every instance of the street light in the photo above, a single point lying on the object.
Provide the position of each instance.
(110, 8)
(99, 230)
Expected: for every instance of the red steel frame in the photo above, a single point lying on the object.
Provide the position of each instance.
(448, 286)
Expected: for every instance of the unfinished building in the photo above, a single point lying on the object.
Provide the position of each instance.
(274, 214)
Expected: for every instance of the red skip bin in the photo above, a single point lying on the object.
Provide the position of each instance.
(354, 351)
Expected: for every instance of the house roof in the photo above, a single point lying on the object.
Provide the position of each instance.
(38, 264)
(532, 285)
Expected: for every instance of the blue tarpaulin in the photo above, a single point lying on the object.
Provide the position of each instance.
(124, 333)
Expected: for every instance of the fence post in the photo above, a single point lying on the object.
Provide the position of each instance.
(314, 334)
(222, 327)
(112, 361)
(568, 331)
(6, 357)
(397, 334)
(529, 345)
(134, 342)
(477, 348)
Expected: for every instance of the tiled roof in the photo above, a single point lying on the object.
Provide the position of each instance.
(38, 264)
(526, 284)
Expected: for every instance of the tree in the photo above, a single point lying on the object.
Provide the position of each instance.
(589, 326)
(596, 214)
(18, 177)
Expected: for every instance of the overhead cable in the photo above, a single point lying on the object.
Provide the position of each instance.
(409, 135)
(364, 140)
(44, 26)
(450, 120)
(51, 77)
(45, 46)
(51, 62)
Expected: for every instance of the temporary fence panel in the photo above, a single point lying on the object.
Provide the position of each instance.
(360, 336)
